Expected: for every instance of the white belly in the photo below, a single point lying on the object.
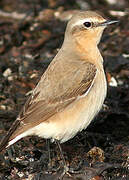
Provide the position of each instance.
(86, 109)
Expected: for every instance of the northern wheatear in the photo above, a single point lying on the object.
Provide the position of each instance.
(73, 88)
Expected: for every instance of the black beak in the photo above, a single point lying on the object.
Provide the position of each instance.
(108, 22)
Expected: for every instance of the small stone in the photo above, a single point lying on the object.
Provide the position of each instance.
(7, 72)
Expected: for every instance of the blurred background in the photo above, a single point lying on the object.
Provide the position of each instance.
(31, 34)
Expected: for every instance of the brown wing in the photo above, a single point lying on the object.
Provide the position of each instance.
(58, 87)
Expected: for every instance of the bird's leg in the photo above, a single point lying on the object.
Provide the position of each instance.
(50, 168)
(49, 154)
(62, 156)
(66, 169)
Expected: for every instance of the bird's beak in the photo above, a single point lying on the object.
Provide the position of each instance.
(108, 22)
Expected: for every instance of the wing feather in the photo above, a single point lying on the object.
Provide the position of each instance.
(53, 94)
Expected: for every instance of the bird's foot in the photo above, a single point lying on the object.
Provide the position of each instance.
(69, 171)
(65, 171)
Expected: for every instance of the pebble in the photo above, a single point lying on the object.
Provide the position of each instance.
(7, 72)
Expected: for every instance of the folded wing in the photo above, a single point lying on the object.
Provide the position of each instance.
(53, 93)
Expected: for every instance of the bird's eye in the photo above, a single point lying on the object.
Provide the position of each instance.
(87, 24)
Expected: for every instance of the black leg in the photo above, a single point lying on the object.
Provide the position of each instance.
(49, 153)
(66, 169)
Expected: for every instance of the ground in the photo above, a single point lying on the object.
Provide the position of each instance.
(31, 33)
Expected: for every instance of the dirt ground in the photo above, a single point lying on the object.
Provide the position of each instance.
(31, 33)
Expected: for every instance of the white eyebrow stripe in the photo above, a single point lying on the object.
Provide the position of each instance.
(81, 21)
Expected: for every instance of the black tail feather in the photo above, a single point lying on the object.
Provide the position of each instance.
(6, 139)
(4, 143)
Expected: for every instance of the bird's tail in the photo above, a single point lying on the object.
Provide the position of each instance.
(5, 140)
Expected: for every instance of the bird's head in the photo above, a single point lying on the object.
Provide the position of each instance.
(86, 27)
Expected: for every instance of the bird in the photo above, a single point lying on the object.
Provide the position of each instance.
(71, 91)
